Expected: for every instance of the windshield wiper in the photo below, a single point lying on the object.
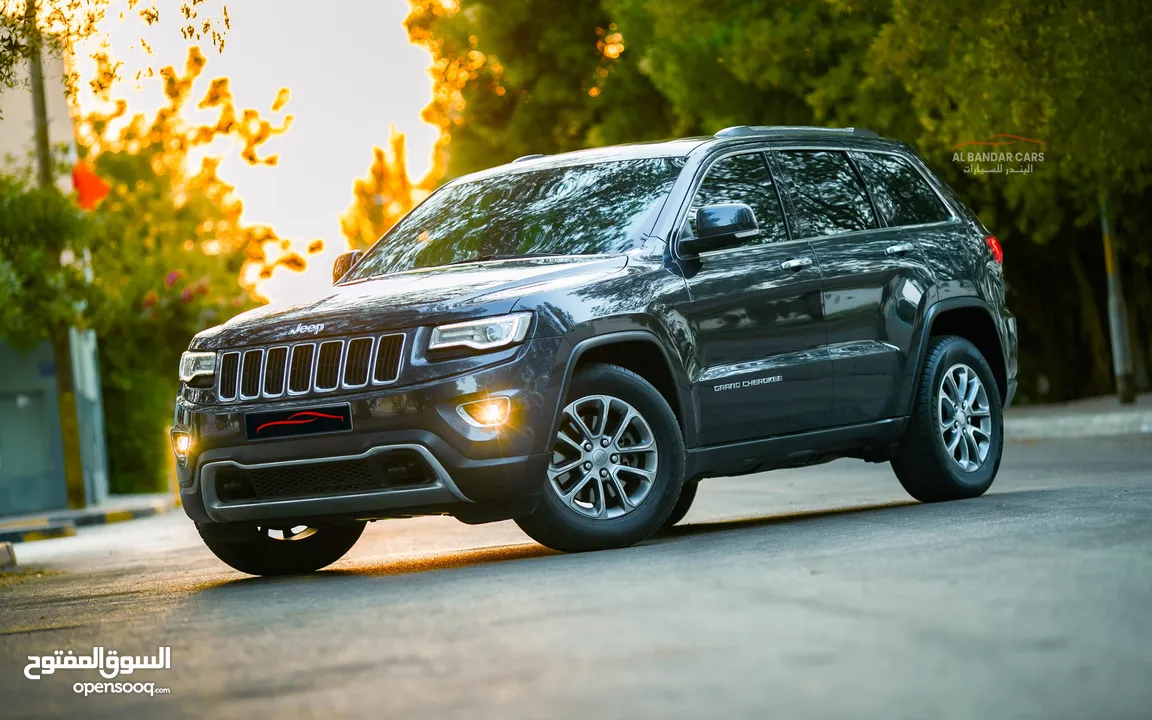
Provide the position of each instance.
(488, 258)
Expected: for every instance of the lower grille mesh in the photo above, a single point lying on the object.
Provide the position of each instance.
(385, 470)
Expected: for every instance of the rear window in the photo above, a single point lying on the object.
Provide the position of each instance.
(827, 194)
(902, 195)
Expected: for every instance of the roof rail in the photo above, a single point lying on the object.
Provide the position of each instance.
(522, 158)
(747, 130)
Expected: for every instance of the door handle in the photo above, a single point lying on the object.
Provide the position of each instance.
(796, 263)
(899, 249)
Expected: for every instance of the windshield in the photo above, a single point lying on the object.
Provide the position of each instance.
(575, 210)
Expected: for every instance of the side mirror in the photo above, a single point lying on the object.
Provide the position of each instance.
(720, 226)
(343, 264)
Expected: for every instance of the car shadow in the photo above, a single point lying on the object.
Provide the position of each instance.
(497, 555)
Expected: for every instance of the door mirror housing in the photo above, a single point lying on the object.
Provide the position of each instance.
(719, 226)
(344, 263)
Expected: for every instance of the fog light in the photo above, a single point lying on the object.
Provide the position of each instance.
(181, 444)
(487, 413)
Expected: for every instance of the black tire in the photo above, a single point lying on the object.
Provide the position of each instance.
(923, 464)
(559, 527)
(252, 550)
(683, 505)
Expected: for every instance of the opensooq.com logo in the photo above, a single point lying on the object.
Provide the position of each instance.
(110, 664)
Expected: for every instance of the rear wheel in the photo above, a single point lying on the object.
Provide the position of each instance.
(263, 550)
(955, 437)
(617, 464)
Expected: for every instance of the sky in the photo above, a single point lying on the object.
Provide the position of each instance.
(351, 72)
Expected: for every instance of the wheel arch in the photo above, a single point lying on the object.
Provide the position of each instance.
(641, 352)
(970, 318)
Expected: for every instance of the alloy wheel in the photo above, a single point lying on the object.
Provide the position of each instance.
(965, 417)
(604, 461)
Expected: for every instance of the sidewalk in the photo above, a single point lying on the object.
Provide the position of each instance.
(63, 523)
(1090, 417)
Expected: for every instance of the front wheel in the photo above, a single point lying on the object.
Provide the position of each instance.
(683, 505)
(280, 551)
(617, 464)
(955, 437)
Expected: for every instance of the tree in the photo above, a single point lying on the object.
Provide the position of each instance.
(172, 254)
(516, 78)
(1072, 73)
(383, 197)
(541, 76)
(63, 25)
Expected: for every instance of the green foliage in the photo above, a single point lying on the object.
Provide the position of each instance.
(43, 239)
(532, 77)
(514, 78)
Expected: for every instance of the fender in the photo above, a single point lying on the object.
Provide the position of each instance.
(920, 341)
(679, 377)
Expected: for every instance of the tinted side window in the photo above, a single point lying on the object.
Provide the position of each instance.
(902, 195)
(826, 193)
(742, 179)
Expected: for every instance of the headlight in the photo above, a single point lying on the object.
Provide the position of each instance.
(484, 334)
(197, 364)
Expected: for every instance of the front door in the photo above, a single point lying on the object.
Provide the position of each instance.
(761, 367)
(874, 278)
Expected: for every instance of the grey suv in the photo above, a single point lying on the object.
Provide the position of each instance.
(574, 341)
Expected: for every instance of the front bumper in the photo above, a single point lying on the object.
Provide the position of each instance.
(477, 474)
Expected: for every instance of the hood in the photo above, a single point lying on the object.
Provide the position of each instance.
(417, 297)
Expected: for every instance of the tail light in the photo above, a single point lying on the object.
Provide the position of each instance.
(994, 247)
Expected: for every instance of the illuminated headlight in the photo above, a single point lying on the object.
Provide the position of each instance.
(484, 334)
(197, 364)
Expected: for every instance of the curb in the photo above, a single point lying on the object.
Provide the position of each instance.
(1084, 425)
(43, 531)
(105, 517)
(64, 523)
(7, 557)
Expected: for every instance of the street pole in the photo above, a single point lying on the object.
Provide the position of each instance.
(60, 334)
(1117, 312)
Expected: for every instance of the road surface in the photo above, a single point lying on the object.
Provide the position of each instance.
(822, 592)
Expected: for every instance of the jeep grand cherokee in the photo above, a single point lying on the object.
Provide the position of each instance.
(574, 341)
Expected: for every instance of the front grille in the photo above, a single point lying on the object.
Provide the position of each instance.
(383, 471)
(229, 374)
(310, 367)
(250, 374)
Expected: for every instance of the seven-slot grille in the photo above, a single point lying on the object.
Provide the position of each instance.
(321, 366)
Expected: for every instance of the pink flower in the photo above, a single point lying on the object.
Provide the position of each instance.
(172, 278)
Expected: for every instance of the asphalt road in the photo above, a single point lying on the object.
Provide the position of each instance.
(821, 592)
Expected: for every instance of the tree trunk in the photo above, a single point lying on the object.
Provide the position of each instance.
(1101, 377)
(1117, 311)
(69, 419)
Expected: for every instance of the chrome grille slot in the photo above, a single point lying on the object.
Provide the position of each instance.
(320, 366)
(388, 353)
(300, 378)
(357, 363)
(229, 375)
(275, 366)
(328, 365)
(250, 374)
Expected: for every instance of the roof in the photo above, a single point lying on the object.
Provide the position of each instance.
(669, 148)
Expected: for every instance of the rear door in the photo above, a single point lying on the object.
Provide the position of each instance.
(761, 368)
(873, 279)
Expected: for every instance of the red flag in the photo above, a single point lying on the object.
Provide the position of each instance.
(90, 188)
